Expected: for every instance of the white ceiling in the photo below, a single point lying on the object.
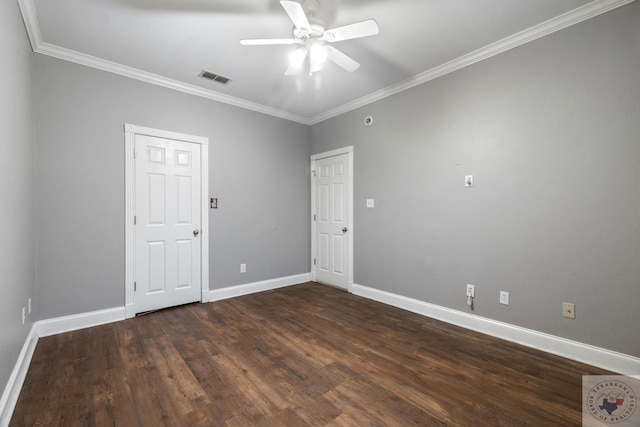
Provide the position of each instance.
(168, 42)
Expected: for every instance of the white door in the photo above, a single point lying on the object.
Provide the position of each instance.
(332, 233)
(168, 223)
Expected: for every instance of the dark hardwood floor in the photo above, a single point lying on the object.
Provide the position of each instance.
(302, 355)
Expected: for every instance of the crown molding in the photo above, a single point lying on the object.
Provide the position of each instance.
(158, 80)
(558, 23)
(28, 10)
(588, 11)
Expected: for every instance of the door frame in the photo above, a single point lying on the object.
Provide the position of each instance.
(344, 150)
(130, 132)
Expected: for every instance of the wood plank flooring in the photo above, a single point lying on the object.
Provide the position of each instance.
(296, 356)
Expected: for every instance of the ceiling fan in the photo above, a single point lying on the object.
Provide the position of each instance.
(309, 32)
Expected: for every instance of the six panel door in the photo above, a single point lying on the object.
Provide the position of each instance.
(332, 220)
(168, 222)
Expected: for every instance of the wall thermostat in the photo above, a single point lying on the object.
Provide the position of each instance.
(368, 121)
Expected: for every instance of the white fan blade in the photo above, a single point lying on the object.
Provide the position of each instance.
(297, 15)
(342, 60)
(352, 31)
(260, 42)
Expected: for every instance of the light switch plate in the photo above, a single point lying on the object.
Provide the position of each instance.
(468, 180)
(504, 297)
(369, 203)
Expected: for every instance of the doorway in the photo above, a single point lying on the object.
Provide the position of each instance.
(166, 219)
(332, 217)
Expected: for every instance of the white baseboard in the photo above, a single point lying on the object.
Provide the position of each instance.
(595, 356)
(251, 288)
(45, 328)
(58, 325)
(74, 322)
(585, 353)
(14, 385)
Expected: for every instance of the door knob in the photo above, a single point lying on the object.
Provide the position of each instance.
(196, 232)
(345, 229)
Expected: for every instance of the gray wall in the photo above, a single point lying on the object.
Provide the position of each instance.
(258, 169)
(551, 133)
(549, 130)
(17, 279)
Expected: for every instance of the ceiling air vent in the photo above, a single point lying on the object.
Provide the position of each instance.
(215, 77)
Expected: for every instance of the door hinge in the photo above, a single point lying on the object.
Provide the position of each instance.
(135, 153)
(314, 173)
(135, 219)
(314, 261)
(135, 286)
(314, 217)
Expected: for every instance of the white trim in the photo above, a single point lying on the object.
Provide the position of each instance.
(160, 133)
(337, 152)
(312, 174)
(558, 23)
(204, 221)
(44, 328)
(585, 353)
(595, 356)
(129, 233)
(16, 379)
(28, 10)
(251, 288)
(59, 325)
(130, 132)
(331, 153)
(158, 80)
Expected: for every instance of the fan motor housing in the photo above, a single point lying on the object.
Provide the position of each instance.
(310, 8)
(316, 32)
(320, 14)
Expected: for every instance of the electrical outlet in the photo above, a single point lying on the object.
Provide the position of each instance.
(471, 291)
(504, 297)
(243, 268)
(568, 310)
(468, 180)
(23, 315)
(29, 306)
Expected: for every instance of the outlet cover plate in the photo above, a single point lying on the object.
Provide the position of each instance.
(471, 291)
(568, 310)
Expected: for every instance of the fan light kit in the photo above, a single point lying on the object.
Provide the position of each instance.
(309, 32)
